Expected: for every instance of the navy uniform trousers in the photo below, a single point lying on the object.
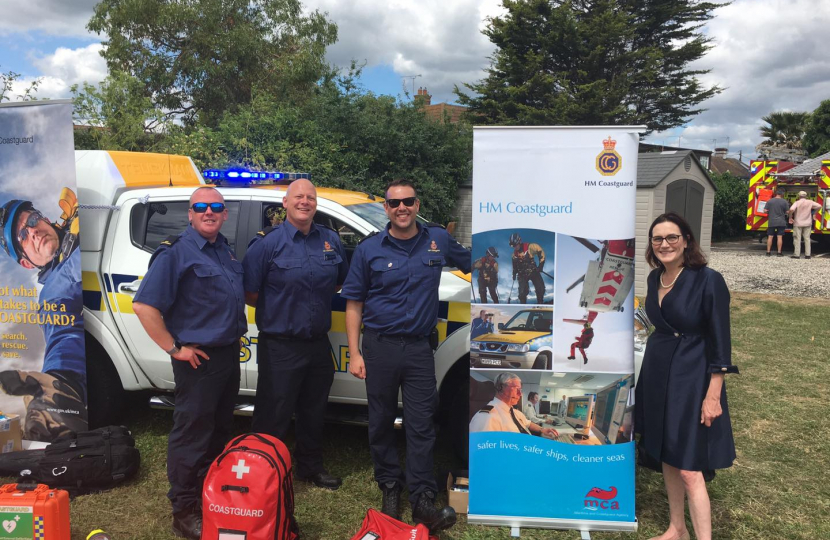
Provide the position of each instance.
(295, 376)
(202, 420)
(407, 363)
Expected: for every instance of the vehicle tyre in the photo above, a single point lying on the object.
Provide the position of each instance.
(543, 361)
(105, 394)
(454, 410)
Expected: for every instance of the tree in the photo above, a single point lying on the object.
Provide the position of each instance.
(117, 115)
(817, 133)
(729, 215)
(593, 62)
(200, 58)
(7, 82)
(345, 138)
(783, 131)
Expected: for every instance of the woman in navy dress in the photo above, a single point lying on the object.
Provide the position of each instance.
(681, 411)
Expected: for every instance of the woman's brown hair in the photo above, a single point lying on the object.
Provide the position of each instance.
(693, 257)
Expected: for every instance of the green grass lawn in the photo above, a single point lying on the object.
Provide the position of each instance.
(779, 487)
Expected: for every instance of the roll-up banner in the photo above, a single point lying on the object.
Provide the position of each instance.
(551, 397)
(42, 358)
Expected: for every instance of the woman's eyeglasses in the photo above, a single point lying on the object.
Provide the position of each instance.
(215, 207)
(672, 239)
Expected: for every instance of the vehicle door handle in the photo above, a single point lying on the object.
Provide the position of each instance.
(129, 288)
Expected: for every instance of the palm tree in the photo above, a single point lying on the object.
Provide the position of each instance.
(784, 129)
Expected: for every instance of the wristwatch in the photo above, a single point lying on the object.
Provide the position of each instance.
(176, 348)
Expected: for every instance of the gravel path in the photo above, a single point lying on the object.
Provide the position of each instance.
(751, 272)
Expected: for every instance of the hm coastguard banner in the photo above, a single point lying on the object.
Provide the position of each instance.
(42, 357)
(552, 327)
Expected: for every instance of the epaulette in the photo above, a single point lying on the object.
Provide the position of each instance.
(486, 408)
(329, 227)
(170, 240)
(266, 231)
(433, 224)
(371, 234)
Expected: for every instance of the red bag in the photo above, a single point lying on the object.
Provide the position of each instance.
(248, 492)
(378, 526)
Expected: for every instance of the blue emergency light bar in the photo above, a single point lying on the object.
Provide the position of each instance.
(244, 176)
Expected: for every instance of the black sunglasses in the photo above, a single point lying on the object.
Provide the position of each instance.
(408, 202)
(31, 221)
(215, 207)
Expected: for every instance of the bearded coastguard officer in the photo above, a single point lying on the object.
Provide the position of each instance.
(292, 271)
(392, 289)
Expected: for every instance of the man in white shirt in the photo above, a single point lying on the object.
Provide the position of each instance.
(563, 407)
(499, 414)
(530, 409)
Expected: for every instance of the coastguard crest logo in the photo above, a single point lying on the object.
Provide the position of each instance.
(327, 247)
(609, 162)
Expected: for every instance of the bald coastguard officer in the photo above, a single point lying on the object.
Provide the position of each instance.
(192, 304)
(292, 271)
(392, 289)
(500, 414)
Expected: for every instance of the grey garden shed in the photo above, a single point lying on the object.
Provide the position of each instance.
(671, 181)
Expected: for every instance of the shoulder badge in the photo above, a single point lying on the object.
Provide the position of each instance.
(266, 231)
(329, 227)
(433, 224)
(371, 234)
(486, 409)
(170, 240)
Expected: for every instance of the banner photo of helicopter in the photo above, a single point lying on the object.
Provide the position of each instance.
(511, 336)
(594, 305)
(513, 266)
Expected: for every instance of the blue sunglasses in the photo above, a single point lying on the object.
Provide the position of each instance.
(215, 207)
(31, 221)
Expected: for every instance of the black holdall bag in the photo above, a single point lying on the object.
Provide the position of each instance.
(87, 461)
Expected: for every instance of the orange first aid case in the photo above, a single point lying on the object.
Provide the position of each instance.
(33, 512)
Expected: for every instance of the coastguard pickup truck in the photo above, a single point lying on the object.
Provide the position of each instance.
(130, 202)
(524, 342)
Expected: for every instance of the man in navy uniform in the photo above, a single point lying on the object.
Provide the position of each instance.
(392, 289)
(192, 304)
(291, 273)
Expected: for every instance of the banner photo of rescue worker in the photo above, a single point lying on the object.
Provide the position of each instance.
(511, 337)
(595, 305)
(42, 356)
(551, 380)
(513, 266)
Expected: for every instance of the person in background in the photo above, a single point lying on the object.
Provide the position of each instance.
(530, 409)
(801, 218)
(776, 210)
(483, 324)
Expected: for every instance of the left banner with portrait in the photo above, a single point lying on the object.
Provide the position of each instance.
(42, 356)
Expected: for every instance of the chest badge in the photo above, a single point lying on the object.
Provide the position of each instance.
(433, 247)
(327, 246)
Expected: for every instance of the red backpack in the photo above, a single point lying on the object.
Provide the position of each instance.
(248, 492)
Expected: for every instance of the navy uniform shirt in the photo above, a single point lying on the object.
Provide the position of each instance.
(397, 281)
(198, 288)
(296, 276)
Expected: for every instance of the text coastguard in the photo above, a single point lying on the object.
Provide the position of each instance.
(392, 289)
(292, 271)
(192, 304)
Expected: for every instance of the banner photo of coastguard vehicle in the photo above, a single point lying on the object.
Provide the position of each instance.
(552, 327)
(42, 356)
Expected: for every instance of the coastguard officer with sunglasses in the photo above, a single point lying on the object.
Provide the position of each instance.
(191, 303)
(292, 271)
(392, 289)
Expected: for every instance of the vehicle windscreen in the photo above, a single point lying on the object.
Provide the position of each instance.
(374, 213)
(536, 321)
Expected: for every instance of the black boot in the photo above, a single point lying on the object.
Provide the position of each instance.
(436, 519)
(391, 500)
(188, 523)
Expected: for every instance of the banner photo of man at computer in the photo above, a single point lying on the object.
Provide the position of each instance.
(551, 386)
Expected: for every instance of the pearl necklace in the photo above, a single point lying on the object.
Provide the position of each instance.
(670, 285)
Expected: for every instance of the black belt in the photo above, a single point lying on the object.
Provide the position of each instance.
(283, 337)
(396, 338)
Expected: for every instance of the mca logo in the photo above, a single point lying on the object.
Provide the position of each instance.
(609, 162)
(600, 498)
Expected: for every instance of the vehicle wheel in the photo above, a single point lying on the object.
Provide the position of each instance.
(459, 422)
(105, 394)
(543, 361)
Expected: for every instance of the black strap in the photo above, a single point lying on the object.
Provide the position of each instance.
(240, 489)
(519, 425)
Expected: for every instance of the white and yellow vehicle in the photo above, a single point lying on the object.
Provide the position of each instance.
(130, 202)
(524, 342)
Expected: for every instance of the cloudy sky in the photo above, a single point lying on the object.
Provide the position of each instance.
(767, 54)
